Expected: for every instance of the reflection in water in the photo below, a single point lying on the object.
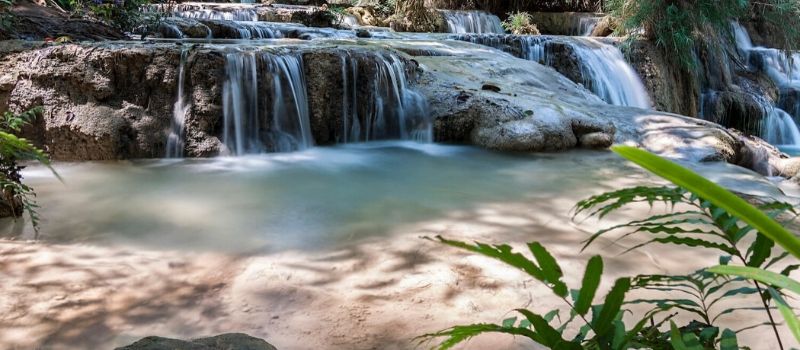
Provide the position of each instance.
(318, 198)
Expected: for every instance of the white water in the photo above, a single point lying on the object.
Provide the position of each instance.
(473, 22)
(248, 127)
(266, 107)
(175, 141)
(291, 125)
(608, 75)
(391, 110)
(604, 70)
(240, 104)
(584, 26)
(779, 126)
(238, 14)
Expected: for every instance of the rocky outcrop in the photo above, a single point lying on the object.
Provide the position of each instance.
(230, 341)
(108, 101)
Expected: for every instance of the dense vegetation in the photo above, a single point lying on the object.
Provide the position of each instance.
(703, 215)
(680, 25)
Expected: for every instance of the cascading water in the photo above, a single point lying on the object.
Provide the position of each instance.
(584, 26)
(257, 121)
(392, 110)
(473, 22)
(603, 69)
(779, 126)
(291, 126)
(234, 15)
(175, 141)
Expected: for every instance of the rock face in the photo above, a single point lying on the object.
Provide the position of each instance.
(672, 88)
(109, 101)
(230, 341)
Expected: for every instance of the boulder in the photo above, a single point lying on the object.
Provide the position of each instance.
(230, 341)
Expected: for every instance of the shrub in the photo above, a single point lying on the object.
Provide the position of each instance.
(679, 25)
(520, 23)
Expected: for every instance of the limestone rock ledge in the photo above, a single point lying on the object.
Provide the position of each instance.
(115, 101)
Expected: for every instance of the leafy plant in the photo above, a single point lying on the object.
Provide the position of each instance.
(17, 197)
(703, 215)
(602, 325)
(714, 219)
(520, 23)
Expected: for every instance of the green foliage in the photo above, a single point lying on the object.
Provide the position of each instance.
(724, 221)
(702, 215)
(602, 324)
(680, 25)
(520, 23)
(123, 14)
(17, 196)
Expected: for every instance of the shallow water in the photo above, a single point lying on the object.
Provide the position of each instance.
(318, 198)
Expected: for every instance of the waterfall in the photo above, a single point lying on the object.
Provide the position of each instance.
(779, 128)
(584, 26)
(175, 141)
(603, 69)
(392, 109)
(256, 121)
(291, 125)
(606, 73)
(240, 106)
(227, 14)
(472, 22)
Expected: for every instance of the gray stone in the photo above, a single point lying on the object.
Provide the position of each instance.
(230, 341)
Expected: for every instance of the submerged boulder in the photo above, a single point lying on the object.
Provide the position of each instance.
(230, 341)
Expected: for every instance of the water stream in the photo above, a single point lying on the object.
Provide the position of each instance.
(320, 197)
(779, 127)
(175, 141)
(602, 68)
(473, 22)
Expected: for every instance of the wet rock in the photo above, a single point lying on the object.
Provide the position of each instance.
(596, 140)
(110, 101)
(230, 341)
(672, 88)
(176, 27)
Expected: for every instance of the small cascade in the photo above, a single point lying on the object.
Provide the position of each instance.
(175, 141)
(779, 128)
(584, 26)
(473, 22)
(392, 110)
(603, 69)
(241, 131)
(233, 15)
(257, 121)
(291, 126)
(606, 73)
